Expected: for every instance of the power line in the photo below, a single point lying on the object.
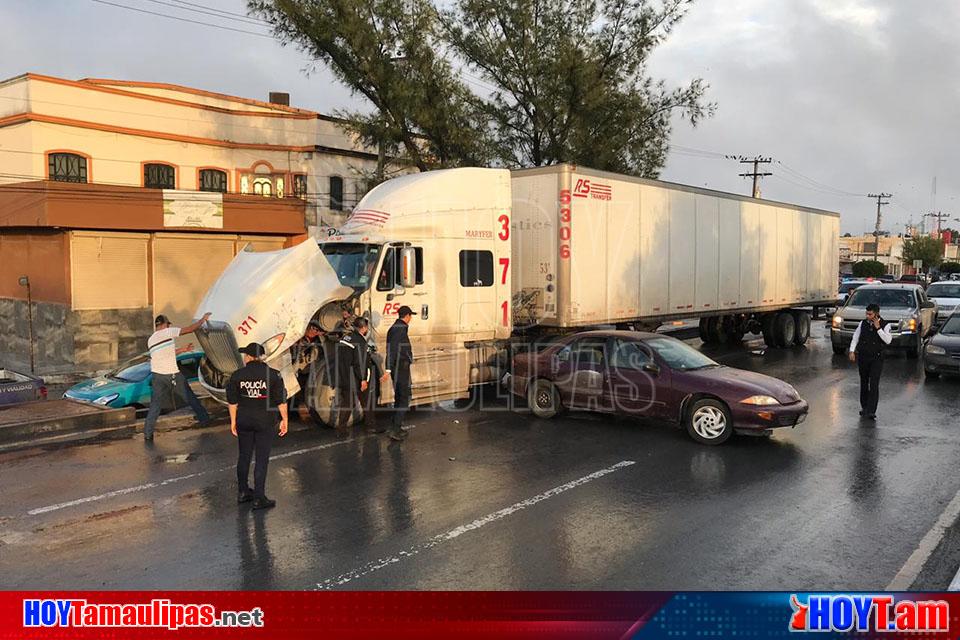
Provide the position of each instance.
(756, 161)
(164, 15)
(205, 11)
(223, 11)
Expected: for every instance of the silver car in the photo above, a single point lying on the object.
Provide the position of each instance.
(947, 296)
(905, 307)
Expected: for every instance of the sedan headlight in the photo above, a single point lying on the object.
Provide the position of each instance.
(837, 321)
(934, 350)
(105, 400)
(760, 401)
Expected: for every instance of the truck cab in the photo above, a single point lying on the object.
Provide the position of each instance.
(438, 242)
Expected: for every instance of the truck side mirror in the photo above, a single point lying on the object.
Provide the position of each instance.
(408, 267)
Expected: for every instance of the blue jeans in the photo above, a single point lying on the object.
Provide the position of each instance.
(164, 389)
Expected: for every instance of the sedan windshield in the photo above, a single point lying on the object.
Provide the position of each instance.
(951, 327)
(133, 373)
(354, 263)
(886, 298)
(943, 290)
(679, 355)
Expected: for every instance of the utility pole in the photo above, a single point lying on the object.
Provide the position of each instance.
(876, 230)
(939, 216)
(756, 173)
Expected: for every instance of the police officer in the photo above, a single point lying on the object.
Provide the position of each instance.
(255, 393)
(866, 350)
(399, 359)
(376, 375)
(305, 353)
(351, 370)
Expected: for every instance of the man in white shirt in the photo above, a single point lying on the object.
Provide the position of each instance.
(167, 381)
(866, 349)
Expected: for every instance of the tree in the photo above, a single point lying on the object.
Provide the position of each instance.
(869, 269)
(950, 267)
(570, 79)
(388, 52)
(563, 80)
(925, 248)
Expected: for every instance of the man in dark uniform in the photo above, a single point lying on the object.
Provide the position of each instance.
(307, 353)
(351, 370)
(255, 393)
(866, 349)
(399, 359)
(376, 375)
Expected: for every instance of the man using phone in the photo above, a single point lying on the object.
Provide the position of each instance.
(866, 349)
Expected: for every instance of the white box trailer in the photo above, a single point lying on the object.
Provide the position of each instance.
(594, 248)
(487, 257)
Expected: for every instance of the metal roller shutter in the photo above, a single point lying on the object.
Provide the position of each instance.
(260, 243)
(184, 267)
(109, 270)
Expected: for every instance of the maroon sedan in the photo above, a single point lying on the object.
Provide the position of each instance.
(652, 375)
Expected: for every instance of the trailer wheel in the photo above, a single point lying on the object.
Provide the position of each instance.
(704, 330)
(802, 333)
(734, 330)
(543, 398)
(768, 328)
(717, 330)
(786, 329)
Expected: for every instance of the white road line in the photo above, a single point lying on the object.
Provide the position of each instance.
(162, 483)
(376, 565)
(914, 564)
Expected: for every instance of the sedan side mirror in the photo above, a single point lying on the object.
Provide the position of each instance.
(652, 368)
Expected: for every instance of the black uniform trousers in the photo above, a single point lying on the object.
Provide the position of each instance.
(870, 369)
(401, 394)
(254, 442)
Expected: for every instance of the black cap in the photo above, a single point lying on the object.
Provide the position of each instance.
(254, 350)
(405, 311)
(161, 319)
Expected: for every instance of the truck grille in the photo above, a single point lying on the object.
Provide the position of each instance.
(220, 347)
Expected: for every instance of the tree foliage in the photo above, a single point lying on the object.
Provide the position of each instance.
(388, 52)
(559, 80)
(950, 267)
(926, 248)
(869, 269)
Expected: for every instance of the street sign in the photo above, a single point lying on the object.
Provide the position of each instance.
(918, 264)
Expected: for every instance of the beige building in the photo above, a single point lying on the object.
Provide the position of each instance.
(120, 200)
(856, 248)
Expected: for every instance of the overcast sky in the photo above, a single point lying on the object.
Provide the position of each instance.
(848, 96)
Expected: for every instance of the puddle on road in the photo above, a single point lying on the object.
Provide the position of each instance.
(177, 459)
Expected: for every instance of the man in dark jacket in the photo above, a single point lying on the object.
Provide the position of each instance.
(866, 349)
(351, 371)
(399, 359)
(255, 395)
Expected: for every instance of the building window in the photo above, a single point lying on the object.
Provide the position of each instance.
(213, 180)
(263, 187)
(300, 185)
(336, 193)
(67, 167)
(476, 268)
(159, 176)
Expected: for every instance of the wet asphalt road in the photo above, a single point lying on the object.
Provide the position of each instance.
(498, 500)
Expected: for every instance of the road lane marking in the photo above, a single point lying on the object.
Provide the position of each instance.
(189, 476)
(376, 565)
(914, 564)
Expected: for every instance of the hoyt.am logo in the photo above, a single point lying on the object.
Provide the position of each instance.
(868, 613)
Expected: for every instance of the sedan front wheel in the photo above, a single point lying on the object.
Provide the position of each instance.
(708, 422)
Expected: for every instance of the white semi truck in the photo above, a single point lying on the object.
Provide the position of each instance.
(491, 257)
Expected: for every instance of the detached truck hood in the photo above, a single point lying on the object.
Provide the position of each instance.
(267, 297)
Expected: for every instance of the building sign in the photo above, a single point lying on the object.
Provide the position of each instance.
(192, 209)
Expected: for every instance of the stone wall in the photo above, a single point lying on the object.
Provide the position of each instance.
(69, 341)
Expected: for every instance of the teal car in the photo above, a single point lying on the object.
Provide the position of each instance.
(129, 385)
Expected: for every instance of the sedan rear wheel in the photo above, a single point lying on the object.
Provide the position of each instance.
(708, 422)
(543, 398)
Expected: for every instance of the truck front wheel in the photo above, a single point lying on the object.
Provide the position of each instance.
(543, 398)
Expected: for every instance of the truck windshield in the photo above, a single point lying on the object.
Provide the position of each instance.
(354, 263)
(896, 298)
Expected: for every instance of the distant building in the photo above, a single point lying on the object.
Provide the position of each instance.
(856, 248)
(120, 200)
